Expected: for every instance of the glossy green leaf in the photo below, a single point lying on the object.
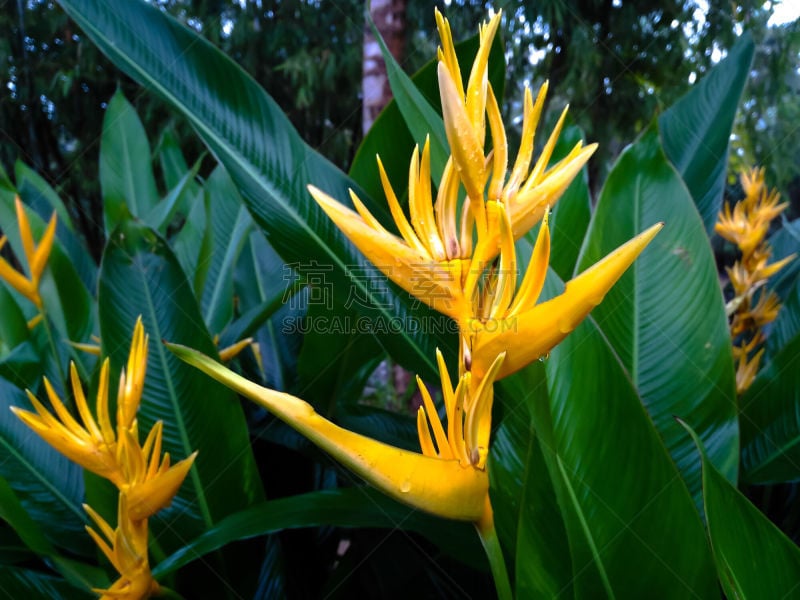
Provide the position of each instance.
(160, 216)
(19, 582)
(230, 224)
(697, 128)
(523, 492)
(346, 507)
(571, 214)
(49, 487)
(192, 244)
(754, 558)
(22, 366)
(31, 533)
(335, 360)
(268, 299)
(784, 242)
(770, 420)
(126, 175)
(13, 325)
(665, 317)
(631, 523)
(170, 158)
(140, 276)
(30, 183)
(787, 325)
(252, 137)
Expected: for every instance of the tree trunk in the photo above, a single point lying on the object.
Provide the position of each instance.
(390, 18)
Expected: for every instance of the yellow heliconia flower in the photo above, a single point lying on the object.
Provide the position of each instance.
(433, 257)
(126, 548)
(36, 256)
(514, 323)
(114, 454)
(746, 224)
(448, 479)
(526, 192)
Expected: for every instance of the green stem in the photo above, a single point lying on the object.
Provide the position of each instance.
(56, 357)
(491, 545)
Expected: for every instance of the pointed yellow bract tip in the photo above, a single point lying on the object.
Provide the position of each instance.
(533, 332)
(36, 256)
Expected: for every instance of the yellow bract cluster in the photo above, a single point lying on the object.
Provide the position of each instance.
(752, 307)
(145, 480)
(35, 255)
(458, 256)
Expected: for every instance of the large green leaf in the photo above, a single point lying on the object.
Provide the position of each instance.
(126, 175)
(49, 487)
(770, 420)
(346, 507)
(229, 223)
(631, 523)
(522, 491)
(170, 158)
(251, 136)
(754, 558)
(268, 301)
(31, 533)
(665, 318)
(697, 128)
(38, 193)
(140, 276)
(784, 242)
(787, 325)
(18, 582)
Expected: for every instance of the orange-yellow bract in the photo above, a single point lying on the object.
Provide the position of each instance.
(752, 307)
(459, 257)
(146, 480)
(35, 255)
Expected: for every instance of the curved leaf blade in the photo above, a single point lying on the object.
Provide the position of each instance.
(139, 275)
(770, 420)
(49, 487)
(665, 318)
(754, 559)
(126, 175)
(625, 507)
(250, 135)
(696, 129)
(345, 507)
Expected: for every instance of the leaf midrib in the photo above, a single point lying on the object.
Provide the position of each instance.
(178, 414)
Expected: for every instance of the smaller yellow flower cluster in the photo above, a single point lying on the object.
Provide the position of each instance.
(36, 257)
(145, 480)
(752, 307)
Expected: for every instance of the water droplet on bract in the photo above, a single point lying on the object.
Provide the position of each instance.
(405, 487)
(544, 357)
